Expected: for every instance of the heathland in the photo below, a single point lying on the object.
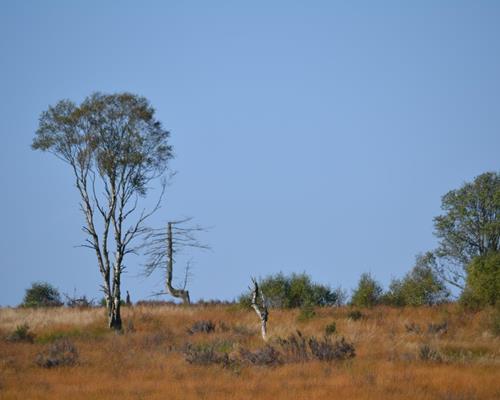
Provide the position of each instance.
(216, 352)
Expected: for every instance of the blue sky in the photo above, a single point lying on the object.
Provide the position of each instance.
(312, 136)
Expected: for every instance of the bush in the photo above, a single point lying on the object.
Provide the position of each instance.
(294, 291)
(267, 356)
(420, 286)
(21, 334)
(297, 348)
(355, 315)
(60, 353)
(427, 353)
(210, 353)
(326, 350)
(306, 312)
(202, 326)
(483, 281)
(368, 293)
(42, 294)
(330, 329)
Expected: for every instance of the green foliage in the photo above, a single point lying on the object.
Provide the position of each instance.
(368, 293)
(331, 328)
(109, 133)
(296, 290)
(306, 312)
(355, 315)
(469, 227)
(483, 281)
(421, 286)
(42, 294)
(21, 334)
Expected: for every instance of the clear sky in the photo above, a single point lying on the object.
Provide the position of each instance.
(313, 136)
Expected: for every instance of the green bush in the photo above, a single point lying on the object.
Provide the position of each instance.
(42, 294)
(368, 293)
(306, 312)
(355, 315)
(22, 333)
(483, 281)
(419, 287)
(294, 291)
(330, 329)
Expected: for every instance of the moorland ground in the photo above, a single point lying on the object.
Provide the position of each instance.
(441, 352)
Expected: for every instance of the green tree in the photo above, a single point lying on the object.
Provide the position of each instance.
(296, 290)
(115, 148)
(469, 227)
(420, 286)
(483, 280)
(368, 292)
(42, 294)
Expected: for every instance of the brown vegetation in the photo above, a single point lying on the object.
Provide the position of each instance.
(419, 353)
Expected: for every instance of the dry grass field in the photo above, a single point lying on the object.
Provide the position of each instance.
(408, 353)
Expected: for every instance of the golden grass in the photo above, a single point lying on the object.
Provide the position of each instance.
(145, 362)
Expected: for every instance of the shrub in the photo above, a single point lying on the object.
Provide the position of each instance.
(483, 281)
(420, 286)
(326, 350)
(427, 353)
(438, 328)
(42, 294)
(306, 312)
(413, 328)
(202, 326)
(78, 302)
(296, 290)
(368, 293)
(294, 348)
(297, 348)
(330, 329)
(60, 353)
(206, 355)
(21, 334)
(267, 356)
(355, 315)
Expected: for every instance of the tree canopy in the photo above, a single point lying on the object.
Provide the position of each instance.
(469, 226)
(115, 147)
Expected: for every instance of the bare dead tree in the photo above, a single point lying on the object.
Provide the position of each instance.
(260, 307)
(163, 245)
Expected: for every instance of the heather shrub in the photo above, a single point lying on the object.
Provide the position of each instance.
(355, 315)
(267, 356)
(327, 350)
(21, 334)
(202, 327)
(60, 353)
(206, 354)
(427, 353)
(330, 329)
(437, 329)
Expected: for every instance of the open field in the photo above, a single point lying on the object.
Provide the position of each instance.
(397, 355)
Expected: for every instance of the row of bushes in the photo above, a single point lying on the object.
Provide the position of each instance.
(420, 286)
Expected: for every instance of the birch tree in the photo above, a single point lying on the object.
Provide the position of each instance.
(115, 148)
